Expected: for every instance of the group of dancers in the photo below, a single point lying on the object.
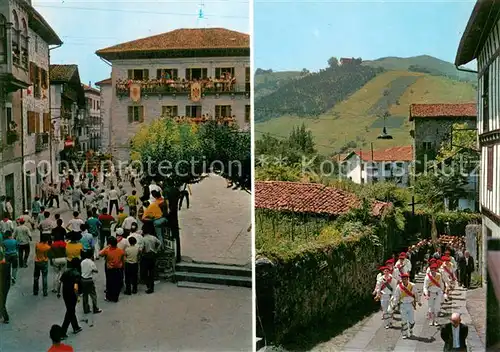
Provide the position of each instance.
(396, 292)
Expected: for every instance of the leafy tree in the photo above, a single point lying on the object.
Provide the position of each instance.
(333, 62)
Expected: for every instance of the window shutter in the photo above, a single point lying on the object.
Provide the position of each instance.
(141, 113)
(46, 122)
(145, 74)
(37, 122)
(32, 72)
(130, 114)
(204, 74)
(130, 74)
(489, 169)
(188, 76)
(158, 74)
(188, 110)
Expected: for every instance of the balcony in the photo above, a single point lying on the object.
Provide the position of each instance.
(203, 119)
(14, 74)
(42, 141)
(182, 87)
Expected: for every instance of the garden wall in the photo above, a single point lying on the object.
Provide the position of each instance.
(320, 285)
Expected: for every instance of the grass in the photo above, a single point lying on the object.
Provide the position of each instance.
(351, 119)
(269, 82)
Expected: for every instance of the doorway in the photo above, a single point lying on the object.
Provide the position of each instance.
(9, 191)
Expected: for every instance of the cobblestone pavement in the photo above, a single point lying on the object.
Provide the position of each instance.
(370, 335)
(214, 228)
(171, 319)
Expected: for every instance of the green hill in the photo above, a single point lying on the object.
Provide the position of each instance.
(267, 82)
(423, 63)
(357, 120)
(314, 93)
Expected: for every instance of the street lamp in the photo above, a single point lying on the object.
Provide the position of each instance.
(384, 134)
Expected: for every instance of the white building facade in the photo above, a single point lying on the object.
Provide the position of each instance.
(106, 98)
(25, 120)
(93, 118)
(165, 72)
(389, 165)
(481, 41)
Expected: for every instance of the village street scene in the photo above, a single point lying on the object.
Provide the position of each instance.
(376, 192)
(125, 180)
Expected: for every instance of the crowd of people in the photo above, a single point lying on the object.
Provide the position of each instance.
(225, 83)
(125, 230)
(446, 265)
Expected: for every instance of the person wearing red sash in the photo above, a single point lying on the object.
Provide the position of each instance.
(406, 294)
(403, 264)
(384, 289)
(433, 292)
(392, 270)
(431, 261)
(448, 275)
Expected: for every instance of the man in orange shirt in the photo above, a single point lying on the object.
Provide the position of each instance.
(115, 258)
(56, 335)
(42, 249)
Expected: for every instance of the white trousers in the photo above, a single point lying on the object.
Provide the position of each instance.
(385, 303)
(434, 303)
(58, 269)
(407, 319)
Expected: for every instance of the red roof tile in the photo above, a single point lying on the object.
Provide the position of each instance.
(404, 153)
(103, 82)
(188, 38)
(443, 110)
(307, 198)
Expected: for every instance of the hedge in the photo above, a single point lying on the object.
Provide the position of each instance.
(319, 280)
(451, 223)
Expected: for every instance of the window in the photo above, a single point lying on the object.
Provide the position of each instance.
(3, 39)
(196, 73)
(489, 169)
(138, 75)
(167, 73)
(16, 50)
(485, 97)
(247, 74)
(24, 44)
(427, 146)
(387, 166)
(36, 77)
(222, 71)
(222, 111)
(193, 110)
(247, 113)
(44, 79)
(135, 114)
(36, 43)
(170, 111)
(98, 105)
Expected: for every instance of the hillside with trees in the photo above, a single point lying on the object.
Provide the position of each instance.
(314, 93)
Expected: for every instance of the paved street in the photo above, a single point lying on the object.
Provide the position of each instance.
(214, 228)
(370, 335)
(171, 319)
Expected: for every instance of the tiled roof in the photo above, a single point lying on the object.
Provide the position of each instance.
(404, 153)
(62, 73)
(307, 198)
(103, 82)
(443, 110)
(87, 88)
(196, 38)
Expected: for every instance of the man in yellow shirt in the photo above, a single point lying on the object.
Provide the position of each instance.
(157, 212)
(41, 264)
(74, 250)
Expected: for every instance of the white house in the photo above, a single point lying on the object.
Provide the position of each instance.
(199, 74)
(391, 164)
(481, 42)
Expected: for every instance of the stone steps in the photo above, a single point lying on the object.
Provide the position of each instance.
(212, 274)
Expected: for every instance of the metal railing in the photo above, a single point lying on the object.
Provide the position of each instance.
(177, 88)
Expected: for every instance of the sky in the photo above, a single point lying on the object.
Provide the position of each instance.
(292, 35)
(86, 26)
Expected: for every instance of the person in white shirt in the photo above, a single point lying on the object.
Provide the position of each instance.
(7, 225)
(153, 187)
(137, 235)
(113, 200)
(127, 223)
(75, 224)
(88, 287)
(122, 241)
